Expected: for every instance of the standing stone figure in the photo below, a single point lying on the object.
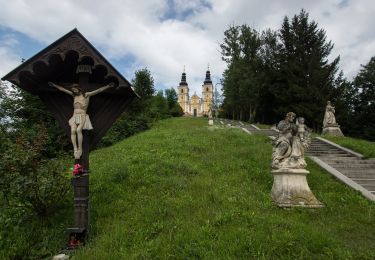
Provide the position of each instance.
(210, 110)
(210, 120)
(80, 119)
(290, 187)
(330, 127)
(329, 115)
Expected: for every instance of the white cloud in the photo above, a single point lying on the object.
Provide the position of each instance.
(142, 30)
(9, 58)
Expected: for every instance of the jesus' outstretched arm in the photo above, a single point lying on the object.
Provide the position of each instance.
(60, 88)
(97, 91)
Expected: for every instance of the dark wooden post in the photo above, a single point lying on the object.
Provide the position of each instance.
(80, 185)
(81, 182)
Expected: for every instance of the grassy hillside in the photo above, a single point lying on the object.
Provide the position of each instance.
(185, 190)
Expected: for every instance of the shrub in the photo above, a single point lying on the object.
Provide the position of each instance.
(29, 180)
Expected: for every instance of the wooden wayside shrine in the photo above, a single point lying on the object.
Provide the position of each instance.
(72, 59)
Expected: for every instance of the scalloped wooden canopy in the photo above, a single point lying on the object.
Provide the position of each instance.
(58, 63)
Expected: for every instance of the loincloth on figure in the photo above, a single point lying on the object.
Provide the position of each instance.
(81, 119)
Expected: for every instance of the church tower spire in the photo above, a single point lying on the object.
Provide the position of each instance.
(183, 93)
(208, 76)
(183, 78)
(207, 92)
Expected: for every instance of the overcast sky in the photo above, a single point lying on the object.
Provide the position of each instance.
(165, 35)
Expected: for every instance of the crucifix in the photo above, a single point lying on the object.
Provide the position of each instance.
(77, 84)
(80, 119)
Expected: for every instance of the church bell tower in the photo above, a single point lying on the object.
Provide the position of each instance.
(183, 93)
(207, 92)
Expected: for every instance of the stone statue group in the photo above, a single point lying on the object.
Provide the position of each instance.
(294, 138)
(290, 187)
(289, 146)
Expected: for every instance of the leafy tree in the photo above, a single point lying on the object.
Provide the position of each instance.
(231, 51)
(23, 112)
(272, 73)
(249, 85)
(171, 96)
(143, 83)
(173, 106)
(157, 107)
(241, 87)
(30, 138)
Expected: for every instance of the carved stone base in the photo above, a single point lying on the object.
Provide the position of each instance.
(211, 122)
(290, 189)
(332, 130)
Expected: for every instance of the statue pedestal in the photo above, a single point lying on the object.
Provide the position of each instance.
(290, 189)
(332, 130)
(210, 121)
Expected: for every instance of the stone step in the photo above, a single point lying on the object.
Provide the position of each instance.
(364, 181)
(359, 175)
(357, 171)
(341, 155)
(352, 166)
(345, 160)
(323, 147)
(330, 155)
(370, 187)
(327, 152)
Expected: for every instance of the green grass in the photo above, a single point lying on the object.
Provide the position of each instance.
(183, 190)
(263, 126)
(361, 146)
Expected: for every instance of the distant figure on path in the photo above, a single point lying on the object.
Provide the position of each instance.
(80, 120)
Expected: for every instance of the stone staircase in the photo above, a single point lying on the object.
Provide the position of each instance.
(320, 148)
(343, 163)
(249, 127)
(349, 164)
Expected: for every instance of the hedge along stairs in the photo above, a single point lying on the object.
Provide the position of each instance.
(346, 165)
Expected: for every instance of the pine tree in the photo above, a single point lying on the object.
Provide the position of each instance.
(364, 106)
(307, 75)
(230, 50)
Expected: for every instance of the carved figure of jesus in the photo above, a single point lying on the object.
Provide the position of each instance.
(80, 119)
